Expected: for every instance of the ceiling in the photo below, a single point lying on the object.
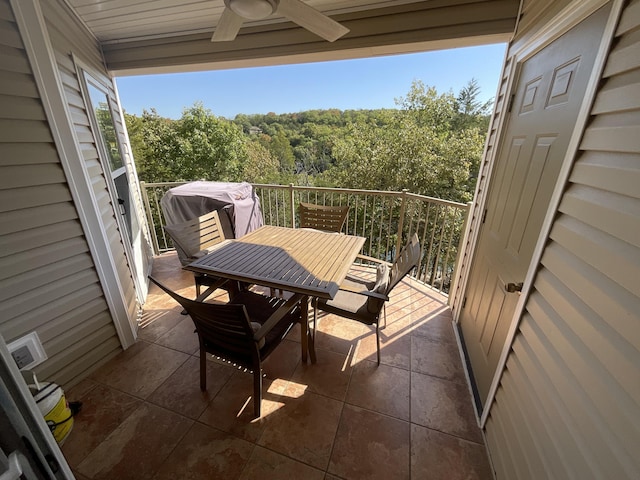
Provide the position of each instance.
(153, 36)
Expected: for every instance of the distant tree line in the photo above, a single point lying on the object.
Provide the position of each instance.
(430, 144)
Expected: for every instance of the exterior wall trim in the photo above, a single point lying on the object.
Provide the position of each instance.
(573, 14)
(33, 30)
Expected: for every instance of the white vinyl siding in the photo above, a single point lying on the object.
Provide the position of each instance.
(48, 282)
(568, 405)
(68, 37)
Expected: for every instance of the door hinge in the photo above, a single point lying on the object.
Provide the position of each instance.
(464, 302)
(511, 99)
(484, 215)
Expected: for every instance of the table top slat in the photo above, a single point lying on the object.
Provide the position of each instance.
(298, 260)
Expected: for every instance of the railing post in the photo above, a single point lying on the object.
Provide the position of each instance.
(463, 240)
(403, 207)
(152, 229)
(293, 212)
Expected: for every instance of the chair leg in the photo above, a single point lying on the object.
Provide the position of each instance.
(378, 341)
(203, 370)
(257, 391)
(384, 314)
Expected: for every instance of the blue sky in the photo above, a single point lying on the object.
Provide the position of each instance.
(345, 84)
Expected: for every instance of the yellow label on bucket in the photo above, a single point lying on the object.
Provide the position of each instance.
(60, 420)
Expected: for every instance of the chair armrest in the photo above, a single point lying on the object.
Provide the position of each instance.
(210, 289)
(371, 259)
(365, 292)
(276, 316)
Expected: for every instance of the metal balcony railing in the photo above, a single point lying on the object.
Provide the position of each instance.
(385, 219)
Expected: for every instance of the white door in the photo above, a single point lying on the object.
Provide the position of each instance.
(113, 160)
(549, 92)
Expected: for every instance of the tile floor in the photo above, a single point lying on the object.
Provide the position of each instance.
(144, 416)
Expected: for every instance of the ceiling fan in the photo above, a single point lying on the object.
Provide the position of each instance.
(237, 11)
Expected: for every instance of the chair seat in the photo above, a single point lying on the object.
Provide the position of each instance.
(350, 304)
(260, 308)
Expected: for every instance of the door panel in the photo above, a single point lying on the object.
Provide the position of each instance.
(548, 94)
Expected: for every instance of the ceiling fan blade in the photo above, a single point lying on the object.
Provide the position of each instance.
(228, 26)
(311, 19)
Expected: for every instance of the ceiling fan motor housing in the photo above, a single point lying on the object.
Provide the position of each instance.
(252, 9)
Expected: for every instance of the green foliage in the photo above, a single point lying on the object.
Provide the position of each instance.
(431, 144)
(424, 147)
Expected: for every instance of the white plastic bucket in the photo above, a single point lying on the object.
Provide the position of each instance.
(54, 408)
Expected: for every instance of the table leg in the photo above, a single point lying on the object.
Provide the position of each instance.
(306, 336)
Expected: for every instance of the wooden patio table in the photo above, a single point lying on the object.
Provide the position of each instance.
(300, 260)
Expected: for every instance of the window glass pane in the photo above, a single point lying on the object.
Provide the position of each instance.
(100, 105)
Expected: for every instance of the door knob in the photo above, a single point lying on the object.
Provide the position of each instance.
(513, 287)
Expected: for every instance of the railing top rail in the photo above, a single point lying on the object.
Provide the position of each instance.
(162, 184)
(355, 191)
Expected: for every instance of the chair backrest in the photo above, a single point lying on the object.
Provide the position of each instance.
(195, 235)
(223, 329)
(407, 260)
(322, 217)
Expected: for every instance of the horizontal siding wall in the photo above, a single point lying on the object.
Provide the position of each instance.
(68, 37)
(48, 282)
(568, 405)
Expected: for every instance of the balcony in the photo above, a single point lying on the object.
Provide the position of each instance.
(344, 417)
(144, 415)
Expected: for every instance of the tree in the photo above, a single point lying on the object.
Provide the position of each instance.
(418, 149)
(471, 112)
(211, 148)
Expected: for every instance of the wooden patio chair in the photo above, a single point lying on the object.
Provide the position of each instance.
(322, 217)
(364, 301)
(193, 238)
(244, 331)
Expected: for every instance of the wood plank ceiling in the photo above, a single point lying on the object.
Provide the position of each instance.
(142, 36)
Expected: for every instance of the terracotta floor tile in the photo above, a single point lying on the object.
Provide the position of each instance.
(267, 465)
(157, 322)
(136, 449)
(80, 389)
(304, 429)
(103, 410)
(329, 376)
(141, 374)
(434, 324)
(181, 392)
(338, 334)
(283, 360)
(395, 350)
(444, 406)
(438, 359)
(370, 446)
(381, 388)
(206, 453)
(439, 456)
(181, 337)
(114, 366)
(232, 409)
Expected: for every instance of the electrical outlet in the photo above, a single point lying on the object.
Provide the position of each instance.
(27, 351)
(22, 356)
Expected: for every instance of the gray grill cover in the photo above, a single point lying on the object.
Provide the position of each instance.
(236, 203)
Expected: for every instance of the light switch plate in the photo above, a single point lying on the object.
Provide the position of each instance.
(27, 351)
